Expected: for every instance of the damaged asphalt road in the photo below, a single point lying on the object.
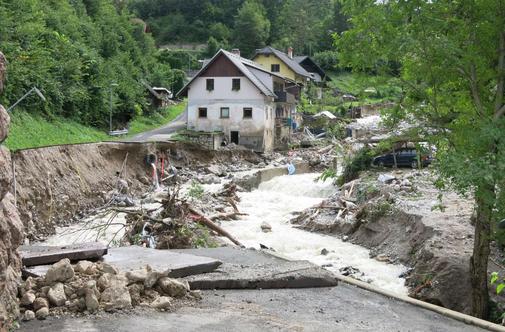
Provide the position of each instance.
(311, 309)
(162, 133)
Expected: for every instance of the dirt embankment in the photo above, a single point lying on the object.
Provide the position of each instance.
(404, 221)
(56, 184)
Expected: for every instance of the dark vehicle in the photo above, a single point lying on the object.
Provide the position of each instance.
(404, 157)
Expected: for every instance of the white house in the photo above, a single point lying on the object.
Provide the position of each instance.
(238, 98)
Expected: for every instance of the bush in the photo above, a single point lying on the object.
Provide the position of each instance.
(328, 60)
(196, 190)
(359, 162)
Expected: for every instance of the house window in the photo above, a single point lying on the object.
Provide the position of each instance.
(275, 68)
(247, 113)
(210, 84)
(202, 112)
(225, 112)
(235, 84)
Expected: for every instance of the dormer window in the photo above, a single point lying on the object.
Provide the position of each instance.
(275, 68)
(235, 84)
(210, 84)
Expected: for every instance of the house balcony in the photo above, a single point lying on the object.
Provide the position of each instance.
(284, 97)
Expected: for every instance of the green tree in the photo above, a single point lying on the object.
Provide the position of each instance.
(73, 51)
(452, 64)
(213, 46)
(219, 31)
(303, 25)
(252, 28)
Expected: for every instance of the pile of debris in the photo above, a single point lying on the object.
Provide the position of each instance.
(399, 181)
(177, 224)
(88, 287)
(319, 158)
(356, 203)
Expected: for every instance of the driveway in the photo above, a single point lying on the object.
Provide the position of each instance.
(162, 133)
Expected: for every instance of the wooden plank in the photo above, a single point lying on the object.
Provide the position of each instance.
(41, 255)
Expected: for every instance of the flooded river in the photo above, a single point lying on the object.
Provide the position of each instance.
(274, 203)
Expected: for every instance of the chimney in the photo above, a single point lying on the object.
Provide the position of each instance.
(290, 52)
(236, 51)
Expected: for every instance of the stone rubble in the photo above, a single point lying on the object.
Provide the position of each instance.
(88, 287)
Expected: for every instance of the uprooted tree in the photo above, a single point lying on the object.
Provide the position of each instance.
(450, 56)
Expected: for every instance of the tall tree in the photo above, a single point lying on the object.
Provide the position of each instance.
(452, 60)
(300, 24)
(252, 28)
(73, 51)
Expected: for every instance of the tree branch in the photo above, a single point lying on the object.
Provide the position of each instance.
(499, 107)
(499, 113)
(475, 90)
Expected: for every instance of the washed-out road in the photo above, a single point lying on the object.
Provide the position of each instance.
(162, 133)
(340, 308)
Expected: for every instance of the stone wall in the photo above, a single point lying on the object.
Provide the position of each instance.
(11, 228)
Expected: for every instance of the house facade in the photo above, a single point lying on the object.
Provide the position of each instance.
(237, 98)
(282, 64)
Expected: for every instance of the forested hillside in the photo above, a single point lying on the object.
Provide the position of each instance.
(306, 25)
(73, 51)
(79, 53)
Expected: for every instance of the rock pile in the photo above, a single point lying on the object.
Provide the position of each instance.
(399, 181)
(88, 287)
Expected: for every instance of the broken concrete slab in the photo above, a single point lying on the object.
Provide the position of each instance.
(43, 255)
(180, 264)
(252, 269)
(135, 258)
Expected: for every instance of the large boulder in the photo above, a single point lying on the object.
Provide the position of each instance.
(107, 280)
(5, 171)
(173, 287)
(5, 121)
(60, 271)
(11, 237)
(162, 303)
(39, 303)
(116, 298)
(56, 295)
(11, 228)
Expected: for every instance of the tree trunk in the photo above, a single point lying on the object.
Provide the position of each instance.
(479, 259)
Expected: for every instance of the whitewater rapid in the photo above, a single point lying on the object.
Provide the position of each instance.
(275, 201)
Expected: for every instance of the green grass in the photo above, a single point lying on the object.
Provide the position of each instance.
(30, 131)
(386, 87)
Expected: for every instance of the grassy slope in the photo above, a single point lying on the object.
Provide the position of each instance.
(145, 123)
(28, 131)
(387, 88)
